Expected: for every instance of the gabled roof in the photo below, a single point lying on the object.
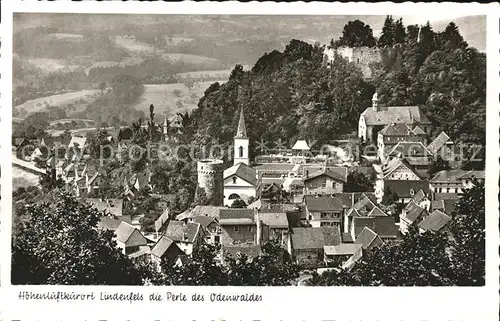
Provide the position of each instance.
(204, 221)
(438, 143)
(242, 171)
(108, 206)
(182, 232)
(241, 132)
(397, 129)
(417, 130)
(395, 163)
(419, 196)
(395, 114)
(435, 221)
(274, 220)
(300, 144)
(124, 231)
(384, 226)
(376, 211)
(367, 237)
(412, 212)
(316, 203)
(236, 216)
(407, 188)
(342, 249)
(255, 205)
(162, 246)
(112, 223)
(305, 238)
(162, 219)
(336, 173)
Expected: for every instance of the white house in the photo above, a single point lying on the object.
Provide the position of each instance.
(240, 181)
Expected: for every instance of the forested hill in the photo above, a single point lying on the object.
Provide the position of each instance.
(293, 94)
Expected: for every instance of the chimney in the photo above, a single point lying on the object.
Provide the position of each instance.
(375, 102)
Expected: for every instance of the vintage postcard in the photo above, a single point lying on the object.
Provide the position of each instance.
(207, 161)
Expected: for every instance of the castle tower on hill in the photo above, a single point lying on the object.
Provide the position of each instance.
(211, 179)
(241, 142)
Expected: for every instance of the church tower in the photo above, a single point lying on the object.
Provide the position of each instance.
(165, 128)
(241, 142)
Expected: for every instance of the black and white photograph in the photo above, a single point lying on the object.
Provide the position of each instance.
(248, 150)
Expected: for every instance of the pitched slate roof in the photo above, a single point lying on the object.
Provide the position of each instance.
(384, 226)
(242, 171)
(342, 249)
(124, 231)
(404, 188)
(236, 216)
(435, 221)
(305, 238)
(113, 206)
(316, 203)
(366, 237)
(438, 143)
(395, 114)
(274, 220)
(412, 212)
(337, 173)
(182, 232)
(162, 246)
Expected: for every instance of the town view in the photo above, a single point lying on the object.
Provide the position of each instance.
(248, 150)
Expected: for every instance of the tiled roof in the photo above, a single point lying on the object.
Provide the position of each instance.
(317, 203)
(337, 173)
(438, 143)
(412, 212)
(446, 176)
(304, 238)
(395, 163)
(111, 223)
(366, 237)
(445, 196)
(204, 221)
(274, 167)
(162, 246)
(417, 130)
(124, 231)
(274, 220)
(242, 171)
(385, 226)
(236, 217)
(407, 188)
(435, 221)
(182, 232)
(342, 249)
(395, 114)
(108, 206)
(397, 129)
(419, 196)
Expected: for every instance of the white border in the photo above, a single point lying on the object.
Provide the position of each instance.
(291, 303)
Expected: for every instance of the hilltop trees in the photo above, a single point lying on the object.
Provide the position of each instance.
(356, 34)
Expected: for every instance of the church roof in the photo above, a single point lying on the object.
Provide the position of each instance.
(395, 114)
(243, 171)
(301, 144)
(242, 130)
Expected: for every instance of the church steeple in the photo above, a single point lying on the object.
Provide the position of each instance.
(241, 132)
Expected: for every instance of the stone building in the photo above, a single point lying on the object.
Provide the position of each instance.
(210, 178)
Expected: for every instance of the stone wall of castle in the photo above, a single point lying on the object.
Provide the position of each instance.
(211, 179)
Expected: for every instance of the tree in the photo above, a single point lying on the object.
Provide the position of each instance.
(356, 34)
(388, 33)
(451, 38)
(60, 244)
(358, 182)
(390, 197)
(238, 203)
(127, 88)
(439, 164)
(399, 32)
(468, 230)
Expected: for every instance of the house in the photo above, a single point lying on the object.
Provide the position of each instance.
(113, 222)
(404, 189)
(239, 226)
(161, 222)
(411, 215)
(368, 239)
(325, 210)
(274, 225)
(199, 210)
(328, 180)
(142, 255)
(435, 222)
(396, 133)
(375, 118)
(165, 250)
(211, 228)
(240, 182)
(398, 169)
(384, 226)
(110, 206)
(446, 206)
(447, 182)
(308, 243)
(343, 255)
(128, 238)
(442, 146)
(187, 236)
(415, 153)
(365, 206)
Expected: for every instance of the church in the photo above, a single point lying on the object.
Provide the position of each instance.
(240, 180)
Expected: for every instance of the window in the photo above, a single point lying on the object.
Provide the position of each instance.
(447, 190)
(323, 185)
(249, 229)
(236, 228)
(234, 180)
(240, 151)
